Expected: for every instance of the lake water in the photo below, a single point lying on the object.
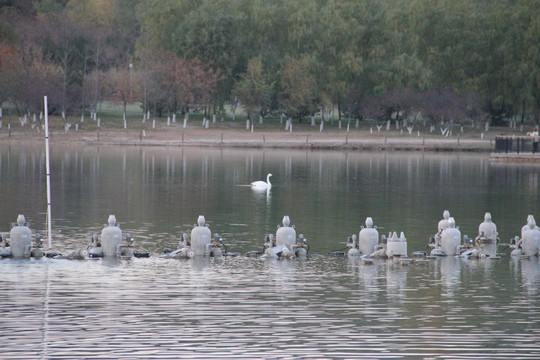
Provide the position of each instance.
(240, 307)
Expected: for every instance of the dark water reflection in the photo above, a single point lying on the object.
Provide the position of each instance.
(250, 308)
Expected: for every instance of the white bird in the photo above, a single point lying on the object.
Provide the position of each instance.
(261, 185)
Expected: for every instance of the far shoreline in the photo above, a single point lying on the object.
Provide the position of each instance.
(264, 137)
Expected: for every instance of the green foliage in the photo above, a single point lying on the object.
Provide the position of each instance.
(296, 56)
(49, 6)
(297, 88)
(253, 89)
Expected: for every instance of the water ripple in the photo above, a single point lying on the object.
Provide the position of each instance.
(251, 308)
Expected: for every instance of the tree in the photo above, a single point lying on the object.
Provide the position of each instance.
(111, 27)
(296, 95)
(64, 45)
(35, 78)
(9, 68)
(173, 83)
(517, 45)
(123, 87)
(205, 81)
(351, 52)
(253, 90)
(444, 106)
(206, 30)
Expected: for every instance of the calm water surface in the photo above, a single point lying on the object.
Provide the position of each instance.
(324, 307)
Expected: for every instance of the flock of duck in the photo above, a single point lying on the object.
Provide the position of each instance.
(285, 244)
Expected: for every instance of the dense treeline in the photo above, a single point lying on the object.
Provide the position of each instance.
(442, 61)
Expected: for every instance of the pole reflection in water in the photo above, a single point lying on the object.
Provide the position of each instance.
(45, 311)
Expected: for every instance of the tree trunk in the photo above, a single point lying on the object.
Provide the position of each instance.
(523, 113)
(124, 114)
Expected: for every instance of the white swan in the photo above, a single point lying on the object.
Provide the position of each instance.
(261, 185)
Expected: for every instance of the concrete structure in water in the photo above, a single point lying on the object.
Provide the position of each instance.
(200, 243)
(285, 245)
(447, 240)
(201, 238)
(111, 241)
(448, 243)
(396, 246)
(368, 245)
(368, 238)
(444, 224)
(21, 245)
(20, 238)
(529, 244)
(487, 240)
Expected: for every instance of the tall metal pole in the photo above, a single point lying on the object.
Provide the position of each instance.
(48, 167)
